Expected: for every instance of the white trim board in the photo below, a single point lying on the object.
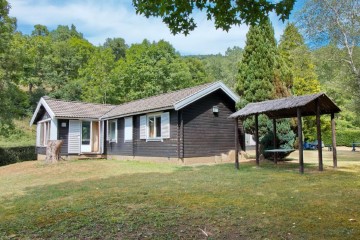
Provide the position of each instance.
(43, 103)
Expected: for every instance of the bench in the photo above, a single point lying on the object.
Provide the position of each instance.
(329, 147)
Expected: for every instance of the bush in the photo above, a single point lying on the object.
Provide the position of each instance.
(285, 139)
(343, 137)
(11, 155)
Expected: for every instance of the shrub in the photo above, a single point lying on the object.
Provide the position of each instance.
(11, 155)
(285, 139)
(343, 137)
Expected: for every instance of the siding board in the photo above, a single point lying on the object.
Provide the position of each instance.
(207, 134)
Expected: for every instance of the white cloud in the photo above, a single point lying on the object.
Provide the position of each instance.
(98, 20)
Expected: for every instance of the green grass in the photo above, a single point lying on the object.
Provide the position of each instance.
(109, 199)
(21, 135)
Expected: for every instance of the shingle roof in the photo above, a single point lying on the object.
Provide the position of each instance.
(70, 109)
(287, 107)
(159, 102)
(172, 100)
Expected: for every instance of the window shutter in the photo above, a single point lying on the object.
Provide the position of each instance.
(74, 136)
(165, 125)
(128, 129)
(38, 132)
(143, 127)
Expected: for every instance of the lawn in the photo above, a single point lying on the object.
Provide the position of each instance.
(109, 199)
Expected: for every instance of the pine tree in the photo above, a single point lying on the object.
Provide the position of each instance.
(256, 70)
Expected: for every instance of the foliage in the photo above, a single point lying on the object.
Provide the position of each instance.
(117, 46)
(285, 139)
(97, 85)
(16, 154)
(343, 137)
(225, 13)
(338, 23)
(256, 70)
(223, 67)
(153, 68)
(111, 199)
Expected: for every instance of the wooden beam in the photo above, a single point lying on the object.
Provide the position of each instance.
(318, 129)
(333, 138)
(274, 140)
(236, 143)
(257, 140)
(301, 154)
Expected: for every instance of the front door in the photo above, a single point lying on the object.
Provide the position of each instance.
(86, 136)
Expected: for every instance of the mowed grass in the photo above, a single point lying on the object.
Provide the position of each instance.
(110, 199)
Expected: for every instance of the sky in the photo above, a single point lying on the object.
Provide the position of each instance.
(98, 20)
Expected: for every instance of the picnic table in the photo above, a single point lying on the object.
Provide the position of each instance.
(280, 150)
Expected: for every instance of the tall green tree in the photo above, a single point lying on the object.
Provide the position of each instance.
(97, 84)
(256, 70)
(117, 46)
(150, 69)
(7, 87)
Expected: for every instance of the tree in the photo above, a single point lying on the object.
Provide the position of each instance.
(225, 13)
(256, 70)
(118, 47)
(338, 23)
(7, 28)
(150, 69)
(97, 85)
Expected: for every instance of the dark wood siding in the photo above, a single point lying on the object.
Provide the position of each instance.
(120, 147)
(166, 148)
(206, 133)
(63, 134)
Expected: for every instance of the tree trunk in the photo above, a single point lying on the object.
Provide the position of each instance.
(53, 151)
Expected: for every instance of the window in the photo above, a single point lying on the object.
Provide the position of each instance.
(43, 133)
(112, 131)
(155, 126)
(128, 132)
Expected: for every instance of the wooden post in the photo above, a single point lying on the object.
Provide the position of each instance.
(333, 134)
(318, 128)
(257, 140)
(274, 140)
(236, 144)
(301, 154)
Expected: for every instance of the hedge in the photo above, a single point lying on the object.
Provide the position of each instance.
(9, 155)
(343, 137)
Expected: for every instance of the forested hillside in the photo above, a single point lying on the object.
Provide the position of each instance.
(63, 64)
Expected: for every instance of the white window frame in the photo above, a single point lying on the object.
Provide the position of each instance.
(44, 132)
(130, 130)
(116, 131)
(148, 116)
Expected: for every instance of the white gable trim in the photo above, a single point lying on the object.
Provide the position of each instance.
(212, 88)
(42, 102)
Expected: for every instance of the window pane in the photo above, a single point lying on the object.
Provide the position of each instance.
(42, 134)
(151, 127)
(113, 130)
(85, 133)
(158, 126)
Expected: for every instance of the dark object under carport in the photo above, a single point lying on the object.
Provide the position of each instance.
(295, 106)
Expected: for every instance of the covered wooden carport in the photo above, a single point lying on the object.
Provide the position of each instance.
(295, 106)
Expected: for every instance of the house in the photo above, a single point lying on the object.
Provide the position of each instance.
(185, 126)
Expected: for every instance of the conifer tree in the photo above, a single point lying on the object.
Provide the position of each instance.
(256, 70)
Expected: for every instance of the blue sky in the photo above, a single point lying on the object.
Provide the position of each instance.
(99, 20)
